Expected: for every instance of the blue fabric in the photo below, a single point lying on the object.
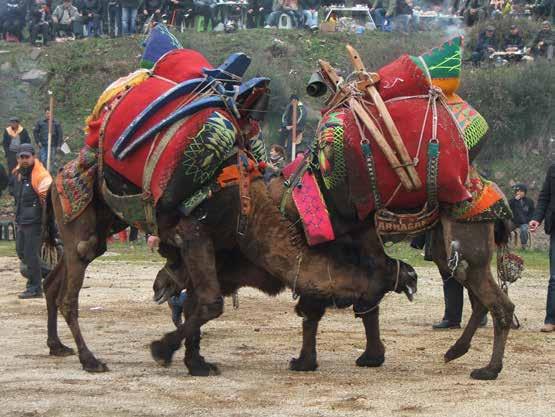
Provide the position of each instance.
(159, 42)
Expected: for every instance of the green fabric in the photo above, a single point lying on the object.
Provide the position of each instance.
(442, 62)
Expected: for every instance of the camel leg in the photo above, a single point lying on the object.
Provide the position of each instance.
(197, 252)
(374, 354)
(311, 310)
(52, 286)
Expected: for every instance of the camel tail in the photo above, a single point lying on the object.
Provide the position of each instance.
(502, 232)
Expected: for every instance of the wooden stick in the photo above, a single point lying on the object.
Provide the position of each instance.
(361, 112)
(294, 129)
(408, 163)
(50, 119)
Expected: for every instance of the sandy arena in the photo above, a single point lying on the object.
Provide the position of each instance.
(253, 345)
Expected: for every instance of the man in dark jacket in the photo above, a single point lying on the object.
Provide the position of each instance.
(485, 47)
(544, 42)
(31, 183)
(40, 21)
(40, 134)
(14, 135)
(513, 41)
(181, 11)
(154, 8)
(545, 210)
(523, 209)
(14, 19)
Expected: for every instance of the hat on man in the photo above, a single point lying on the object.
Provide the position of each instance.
(25, 149)
(490, 29)
(520, 187)
(513, 27)
(14, 119)
(294, 97)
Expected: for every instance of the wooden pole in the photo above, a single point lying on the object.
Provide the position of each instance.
(50, 120)
(294, 129)
(360, 111)
(408, 163)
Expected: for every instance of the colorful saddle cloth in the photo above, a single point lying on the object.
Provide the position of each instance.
(407, 87)
(488, 202)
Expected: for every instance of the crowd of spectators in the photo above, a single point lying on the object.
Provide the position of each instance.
(45, 20)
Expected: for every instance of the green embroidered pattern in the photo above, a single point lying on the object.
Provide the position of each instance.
(209, 149)
(332, 162)
(442, 62)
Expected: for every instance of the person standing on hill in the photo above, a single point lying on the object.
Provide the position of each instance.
(14, 135)
(31, 184)
(129, 16)
(545, 210)
(523, 209)
(286, 130)
(40, 134)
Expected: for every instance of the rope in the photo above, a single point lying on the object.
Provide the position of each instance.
(299, 261)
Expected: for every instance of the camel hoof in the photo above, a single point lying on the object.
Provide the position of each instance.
(95, 366)
(302, 365)
(367, 361)
(61, 351)
(455, 352)
(484, 374)
(161, 353)
(203, 369)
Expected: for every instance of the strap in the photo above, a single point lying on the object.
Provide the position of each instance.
(244, 196)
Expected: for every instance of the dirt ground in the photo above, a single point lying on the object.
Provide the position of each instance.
(253, 345)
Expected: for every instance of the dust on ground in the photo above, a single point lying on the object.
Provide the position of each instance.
(253, 344)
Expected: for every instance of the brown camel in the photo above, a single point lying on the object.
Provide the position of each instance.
(269, 242)
(474, 245)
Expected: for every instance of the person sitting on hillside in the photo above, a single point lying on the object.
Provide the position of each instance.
(40, 22)
(513, 41)
(401, 13)
(14, 20)
(378, 11)
(275, 163)
(310, 13)
(474, 11)
(542, 45)
(64, 17)
(485, 47)
(523, 209)
(288, 7)
(152, 8)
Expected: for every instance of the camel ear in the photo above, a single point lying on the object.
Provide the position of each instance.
(443, 65)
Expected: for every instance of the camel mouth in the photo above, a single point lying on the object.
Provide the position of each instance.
(409, 292)
(162, 295)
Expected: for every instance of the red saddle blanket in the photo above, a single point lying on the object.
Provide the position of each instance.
(174, 67)
(405, 89)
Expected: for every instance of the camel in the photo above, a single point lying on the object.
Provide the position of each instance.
(269, 243)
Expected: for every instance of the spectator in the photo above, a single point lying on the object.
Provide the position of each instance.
(401, 12)
(64, 17)
(265, 8)
(542, 45)
(485, 47)
(523, 209)
(14, 19)
(513, 41)
(545, 210)
(113, 18)
(253, 13)
(276, 162)
(206, 9)
(181, 11)
(39, 22)
(91, 10)
(14, 135)
(286, 129)
(474, 11)
(288, 7)
(378, 10)
(129, 16)
(545, 9)
(310, 13)
(40, 134)
(152, 8)
(31, 184)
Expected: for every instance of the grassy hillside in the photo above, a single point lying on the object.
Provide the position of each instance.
(517, 101)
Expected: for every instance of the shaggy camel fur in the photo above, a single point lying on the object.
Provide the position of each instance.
(270, 242)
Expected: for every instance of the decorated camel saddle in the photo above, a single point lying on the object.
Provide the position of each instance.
(400, 138)
(160, 135)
